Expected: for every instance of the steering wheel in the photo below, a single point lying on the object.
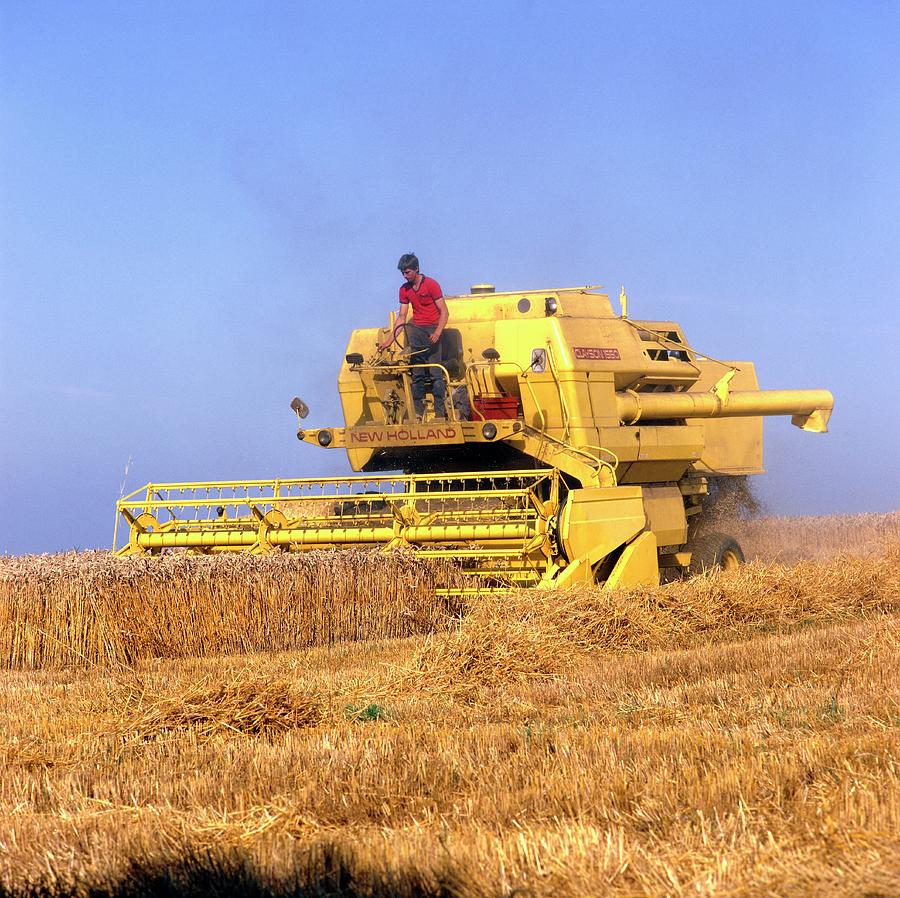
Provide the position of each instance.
(395, 338)
(398, 329)
(407, 353)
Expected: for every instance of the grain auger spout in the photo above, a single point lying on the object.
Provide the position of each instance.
(577, 447)
(809, 409)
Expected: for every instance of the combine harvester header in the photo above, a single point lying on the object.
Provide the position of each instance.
(578, 447)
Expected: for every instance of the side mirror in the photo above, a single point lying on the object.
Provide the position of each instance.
(300, 407)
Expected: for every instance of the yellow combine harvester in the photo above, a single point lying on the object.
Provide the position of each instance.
(579, 447)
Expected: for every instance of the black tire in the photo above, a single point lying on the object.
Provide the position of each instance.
(714, 551)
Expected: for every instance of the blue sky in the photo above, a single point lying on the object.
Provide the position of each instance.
(198, 201)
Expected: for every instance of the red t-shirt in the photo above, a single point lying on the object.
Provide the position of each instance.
(423, 301)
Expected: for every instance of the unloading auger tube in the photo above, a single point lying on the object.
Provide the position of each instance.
(579, 447)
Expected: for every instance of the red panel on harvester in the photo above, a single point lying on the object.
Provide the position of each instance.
(497, 406)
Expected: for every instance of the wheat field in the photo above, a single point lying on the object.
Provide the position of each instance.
(328, 726)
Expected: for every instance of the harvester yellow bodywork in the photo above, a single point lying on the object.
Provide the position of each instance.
(578, 447)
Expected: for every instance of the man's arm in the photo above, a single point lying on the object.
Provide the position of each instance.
(401, 318)
(442, 321)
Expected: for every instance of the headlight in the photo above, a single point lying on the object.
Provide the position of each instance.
(324, 437)
(550, 305)
(489, 431)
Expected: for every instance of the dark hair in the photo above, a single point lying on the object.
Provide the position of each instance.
(408, 260)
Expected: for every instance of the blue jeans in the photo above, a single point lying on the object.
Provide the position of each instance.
(423, 351)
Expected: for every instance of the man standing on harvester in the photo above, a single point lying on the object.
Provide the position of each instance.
(423, 334)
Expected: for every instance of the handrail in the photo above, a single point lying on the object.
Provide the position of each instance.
(562, 399)
(596, 461)
(404, 367)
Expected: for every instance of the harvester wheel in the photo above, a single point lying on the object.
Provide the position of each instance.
(714, 550)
